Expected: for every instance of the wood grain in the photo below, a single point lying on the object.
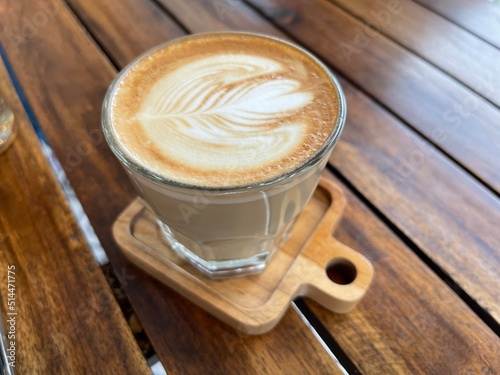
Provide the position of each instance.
(65, 76)
(445, 213)
(479, 17)
(449, 216)
(206, 16)
(67, 318)
(383, 335)
(394, 175)
(410, 321)
(443, 110)
(457, 52)
(110, 23)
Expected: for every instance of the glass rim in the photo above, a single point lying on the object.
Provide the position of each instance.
(150, 175)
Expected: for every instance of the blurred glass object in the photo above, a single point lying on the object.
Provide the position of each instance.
(7, 125)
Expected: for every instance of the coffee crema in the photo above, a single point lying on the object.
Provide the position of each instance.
(223, 110)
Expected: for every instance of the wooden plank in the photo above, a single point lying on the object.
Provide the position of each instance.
(451, 219)
(110, 25)
(65, 77)
(224, 15)
(479, 17)
(193, 342)
(444, 212)
(67, 317)
(380, 338)
(443, 110)
(467, 58)
(410, 322)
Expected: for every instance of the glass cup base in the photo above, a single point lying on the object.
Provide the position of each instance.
(216, 269)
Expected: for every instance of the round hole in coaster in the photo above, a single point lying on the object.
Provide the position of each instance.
(341, 271)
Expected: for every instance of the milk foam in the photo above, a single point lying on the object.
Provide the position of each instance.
(225, 118)
(211, 112)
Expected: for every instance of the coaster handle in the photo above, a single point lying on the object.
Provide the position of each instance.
(328, 271)
(333, 275)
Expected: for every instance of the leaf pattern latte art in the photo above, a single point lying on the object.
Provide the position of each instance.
(225, 106)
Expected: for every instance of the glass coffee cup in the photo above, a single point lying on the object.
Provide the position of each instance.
(225, 136)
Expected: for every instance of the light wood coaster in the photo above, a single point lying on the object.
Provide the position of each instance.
(311, 263)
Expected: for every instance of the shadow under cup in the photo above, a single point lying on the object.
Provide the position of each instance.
(227, 232)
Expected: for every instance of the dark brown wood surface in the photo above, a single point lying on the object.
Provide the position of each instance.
(69, 112)
(398, 171)
(449, 216)
(111, 24)
(67, 320)
(411, 321)
(456, 51)
(447, 113)
(481, 18)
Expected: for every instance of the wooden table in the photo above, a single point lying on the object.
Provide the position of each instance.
(419, 162)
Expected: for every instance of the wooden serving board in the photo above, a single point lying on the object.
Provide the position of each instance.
(311, 263)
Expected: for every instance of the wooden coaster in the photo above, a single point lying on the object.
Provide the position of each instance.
(311, 263)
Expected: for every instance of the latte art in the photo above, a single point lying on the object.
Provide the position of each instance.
(227, 105)
(221, 111)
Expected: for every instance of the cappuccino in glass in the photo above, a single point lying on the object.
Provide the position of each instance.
(225, 136)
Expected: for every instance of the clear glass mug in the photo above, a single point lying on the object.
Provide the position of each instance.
(226, 232)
